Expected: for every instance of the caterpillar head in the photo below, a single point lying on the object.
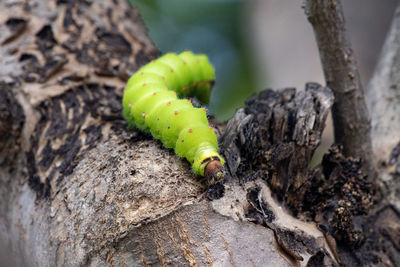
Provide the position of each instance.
(214, 171)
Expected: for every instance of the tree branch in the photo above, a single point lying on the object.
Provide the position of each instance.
(350, 114)
(383, 95)
(383, 98)
(77, 189)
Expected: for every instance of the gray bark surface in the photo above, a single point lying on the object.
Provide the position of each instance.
(379, 148)
(78, 189)
(384, 102)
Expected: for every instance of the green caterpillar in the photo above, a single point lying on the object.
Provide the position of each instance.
(150, 103)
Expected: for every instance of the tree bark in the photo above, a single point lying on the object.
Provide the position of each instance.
(350, 114)
(384, 102)
(77, 188)
(380, 239)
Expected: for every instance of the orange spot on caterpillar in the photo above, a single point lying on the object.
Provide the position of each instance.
(157, 127)
(174, 92)
(204, 109)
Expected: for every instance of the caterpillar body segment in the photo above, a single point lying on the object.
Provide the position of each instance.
(151, 103)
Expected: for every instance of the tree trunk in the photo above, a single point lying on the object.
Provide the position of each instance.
(77, 188)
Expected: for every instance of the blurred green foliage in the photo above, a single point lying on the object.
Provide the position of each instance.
(212, 27)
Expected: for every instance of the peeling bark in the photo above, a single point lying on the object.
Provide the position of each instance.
(76, 185)
(77, 188)
(378, 220)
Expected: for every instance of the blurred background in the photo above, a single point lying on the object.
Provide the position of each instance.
(213, 27)
(259, 44)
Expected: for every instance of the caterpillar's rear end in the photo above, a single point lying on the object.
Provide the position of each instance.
(150, 103)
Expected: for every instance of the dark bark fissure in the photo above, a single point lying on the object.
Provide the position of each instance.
(276, 135)
(98, 194)
(11, 116)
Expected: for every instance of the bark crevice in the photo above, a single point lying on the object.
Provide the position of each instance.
(74, 183)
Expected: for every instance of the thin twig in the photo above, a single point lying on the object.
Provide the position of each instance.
(350, 113)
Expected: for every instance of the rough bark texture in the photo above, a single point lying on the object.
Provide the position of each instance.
(384, 102)
(383, 97)
(278, 133)
(374, 236)
(349, 112)
(77, 188)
